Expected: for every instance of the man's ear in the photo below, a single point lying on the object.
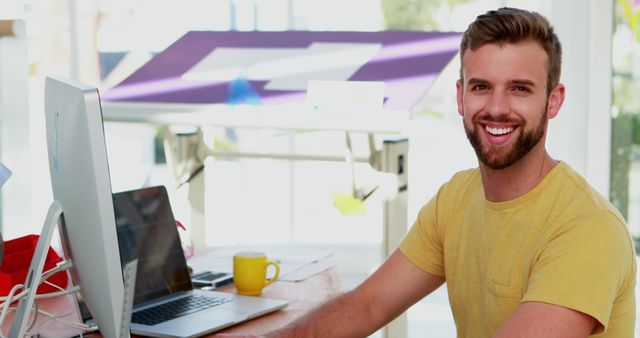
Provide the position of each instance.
(459, 91)
(556, 99)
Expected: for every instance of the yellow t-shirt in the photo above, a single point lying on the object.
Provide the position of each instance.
(561, 243)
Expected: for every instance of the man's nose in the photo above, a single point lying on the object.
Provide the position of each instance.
(497, 104)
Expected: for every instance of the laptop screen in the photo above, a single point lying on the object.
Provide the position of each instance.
(147, 231)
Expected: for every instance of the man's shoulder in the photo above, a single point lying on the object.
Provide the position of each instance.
(587, 200)
(465, 176)
(461, 183)
(580, 211)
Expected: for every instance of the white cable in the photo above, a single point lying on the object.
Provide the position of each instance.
(9, 300)
(74, 325)
(60, 267)
(53, 285)
(12, 297)
(59, 293)
(45, 276)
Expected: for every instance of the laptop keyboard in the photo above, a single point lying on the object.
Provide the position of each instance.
(177, 308)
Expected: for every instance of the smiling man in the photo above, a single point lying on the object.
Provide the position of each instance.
(490, 92)
(527, 248)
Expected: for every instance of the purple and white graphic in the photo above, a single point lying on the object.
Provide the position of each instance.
(276, 67)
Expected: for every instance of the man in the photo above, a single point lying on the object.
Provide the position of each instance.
(527, 248)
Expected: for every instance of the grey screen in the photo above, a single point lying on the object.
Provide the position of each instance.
(147, 231)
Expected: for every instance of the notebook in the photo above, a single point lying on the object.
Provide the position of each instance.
(165, 302)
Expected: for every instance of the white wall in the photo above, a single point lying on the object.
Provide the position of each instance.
(581, 134)
(14, 136)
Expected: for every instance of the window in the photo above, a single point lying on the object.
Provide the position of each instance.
(625, 113)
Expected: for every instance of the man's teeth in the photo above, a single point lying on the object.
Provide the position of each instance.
(498, 131)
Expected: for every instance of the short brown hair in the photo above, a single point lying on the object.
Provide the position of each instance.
(511, 25)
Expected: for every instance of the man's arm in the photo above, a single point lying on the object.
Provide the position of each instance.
(395, 286)
(536, 319)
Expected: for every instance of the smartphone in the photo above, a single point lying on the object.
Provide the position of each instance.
(211, 278)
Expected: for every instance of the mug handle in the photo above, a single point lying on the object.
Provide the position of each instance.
(272, 279)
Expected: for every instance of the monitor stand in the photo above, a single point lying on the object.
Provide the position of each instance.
(52, 220)
(18, 326)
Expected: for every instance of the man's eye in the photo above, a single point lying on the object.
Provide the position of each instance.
(478, 87)
(521, 89)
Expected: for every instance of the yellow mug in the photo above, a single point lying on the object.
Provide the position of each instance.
(250, 272)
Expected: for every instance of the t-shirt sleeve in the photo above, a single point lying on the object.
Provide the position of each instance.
(584, 267)
(423, 245)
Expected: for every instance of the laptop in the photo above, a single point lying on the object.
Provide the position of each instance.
(165, 302)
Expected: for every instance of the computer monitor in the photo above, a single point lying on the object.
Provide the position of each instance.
(82, 190)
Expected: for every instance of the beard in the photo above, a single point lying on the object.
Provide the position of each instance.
(496, 158)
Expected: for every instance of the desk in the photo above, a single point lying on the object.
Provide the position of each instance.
(302, 297)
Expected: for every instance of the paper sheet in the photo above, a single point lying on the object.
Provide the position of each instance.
(295, 263)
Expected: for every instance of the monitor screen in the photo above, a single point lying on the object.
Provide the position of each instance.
(81, 184)
(147, 233)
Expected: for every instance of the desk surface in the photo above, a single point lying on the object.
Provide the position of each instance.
(302, 297)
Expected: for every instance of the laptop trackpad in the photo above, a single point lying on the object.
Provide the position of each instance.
(200, 323)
